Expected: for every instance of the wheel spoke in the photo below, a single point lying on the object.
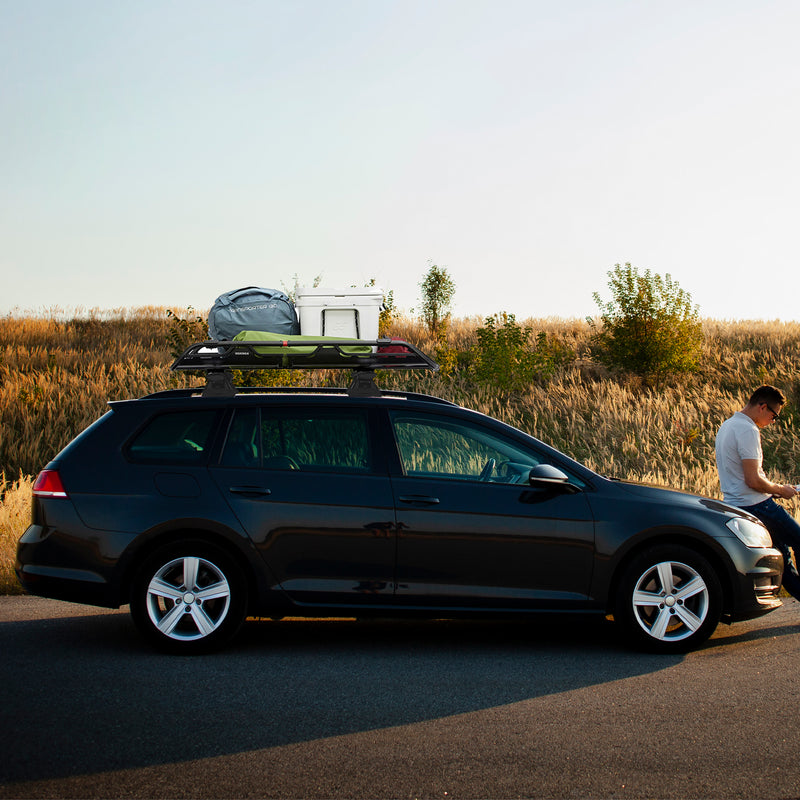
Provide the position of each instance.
(690, 589)
(659, 629)
(161, 588)
(646, 599)
(666, 577)
(191, 568)
(201, 619)
(168, 622)
(214, 592)
(692, 621)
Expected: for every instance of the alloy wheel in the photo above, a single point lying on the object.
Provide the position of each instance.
(188, 598)
(670, 601)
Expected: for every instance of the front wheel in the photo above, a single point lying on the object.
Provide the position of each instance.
(669, 599)
(189, 597)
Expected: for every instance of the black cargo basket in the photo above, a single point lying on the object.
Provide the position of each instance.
(363, 357)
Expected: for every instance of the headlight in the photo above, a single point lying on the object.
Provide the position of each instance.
(753, 534)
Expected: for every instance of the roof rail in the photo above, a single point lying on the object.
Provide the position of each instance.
(364, 357)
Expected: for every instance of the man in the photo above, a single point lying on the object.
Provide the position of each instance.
(739, 463)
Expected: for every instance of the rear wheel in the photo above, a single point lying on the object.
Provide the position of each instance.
(189, 597)
(669, 599)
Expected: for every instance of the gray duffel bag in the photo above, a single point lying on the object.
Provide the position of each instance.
(252, 309)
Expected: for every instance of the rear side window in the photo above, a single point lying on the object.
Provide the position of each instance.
(179, 437)
(296, 440)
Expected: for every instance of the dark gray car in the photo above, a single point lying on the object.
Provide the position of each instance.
(202, 507)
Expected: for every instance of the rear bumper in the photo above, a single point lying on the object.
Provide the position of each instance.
(75, 586)
(56, 566)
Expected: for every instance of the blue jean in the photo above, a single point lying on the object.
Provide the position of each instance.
(785, 534)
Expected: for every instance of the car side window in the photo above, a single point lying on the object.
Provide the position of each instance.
(432, 446)
(288, 439)
(179, 437)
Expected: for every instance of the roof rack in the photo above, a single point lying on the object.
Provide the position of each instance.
(364, 357)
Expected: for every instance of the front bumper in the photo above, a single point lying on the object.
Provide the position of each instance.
(757, 588)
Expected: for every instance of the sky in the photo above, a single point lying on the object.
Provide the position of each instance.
(162, 153)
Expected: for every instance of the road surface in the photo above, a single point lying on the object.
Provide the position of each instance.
(347, 709)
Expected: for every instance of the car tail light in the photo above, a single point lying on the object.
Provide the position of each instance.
(48, 484)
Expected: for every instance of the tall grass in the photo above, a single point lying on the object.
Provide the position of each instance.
(57, 374)
(15, 513)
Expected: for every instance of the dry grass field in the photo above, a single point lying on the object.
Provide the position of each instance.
(57, 374)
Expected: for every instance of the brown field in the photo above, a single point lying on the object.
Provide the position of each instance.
(57, 373)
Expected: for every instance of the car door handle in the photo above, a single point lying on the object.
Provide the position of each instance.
(254, 490)
(419, 498)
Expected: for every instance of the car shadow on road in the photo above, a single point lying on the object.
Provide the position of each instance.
(732, 636)
(84, 695)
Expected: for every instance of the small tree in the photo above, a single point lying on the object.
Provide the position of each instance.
(650, 327)
(438, 289)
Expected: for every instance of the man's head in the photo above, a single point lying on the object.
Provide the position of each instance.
(764, 405)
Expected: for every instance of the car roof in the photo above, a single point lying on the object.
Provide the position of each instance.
(277, 393)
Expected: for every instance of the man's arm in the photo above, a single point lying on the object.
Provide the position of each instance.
(758, 483)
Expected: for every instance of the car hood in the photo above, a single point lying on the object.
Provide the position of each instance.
(661, 494)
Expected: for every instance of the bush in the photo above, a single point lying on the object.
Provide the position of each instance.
(650, 327)
(185, 331)
(507, 358)
(388, 314)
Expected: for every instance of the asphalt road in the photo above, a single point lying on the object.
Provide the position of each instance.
(346, 709)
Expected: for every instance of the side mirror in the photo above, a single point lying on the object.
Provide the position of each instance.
(545, 476)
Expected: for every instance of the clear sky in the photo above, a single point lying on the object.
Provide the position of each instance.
(163, 152)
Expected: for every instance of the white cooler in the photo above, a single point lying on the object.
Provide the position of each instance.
(350, 313)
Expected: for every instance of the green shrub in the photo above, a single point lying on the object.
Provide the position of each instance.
(509, 357)
(185, 331)
(388, 314)
(650, 327)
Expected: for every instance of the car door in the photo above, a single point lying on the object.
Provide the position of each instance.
(304, 483)
(473, 532)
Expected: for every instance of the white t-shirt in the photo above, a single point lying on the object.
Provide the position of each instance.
(738, 438)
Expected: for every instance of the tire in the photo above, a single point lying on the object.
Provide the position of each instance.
(189, 597)
(669, 599)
